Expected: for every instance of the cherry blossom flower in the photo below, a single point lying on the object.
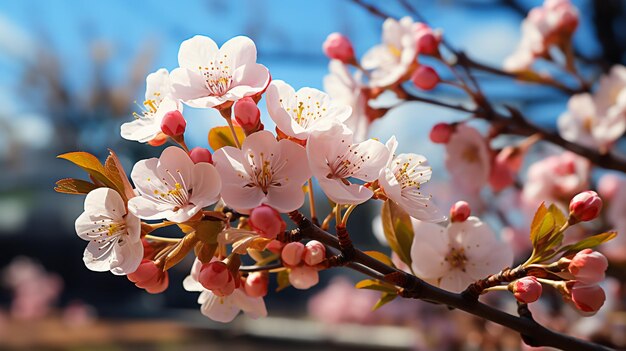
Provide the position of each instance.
(393, 59)
(335, 160)
(597, 120)
(263, 171)
(468, 159)
(158, 103)
(113, 234)
(547, 25)
(455, 256)
(211, 77)
(402, 180)
(173, 187)
(616, 248)
(556, 179)
(223, 308)
(297, 114)
(348, 89)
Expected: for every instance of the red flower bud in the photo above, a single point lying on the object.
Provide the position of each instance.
(266, 221)
(526, 290)
(587, 298)
(588, 266)
(427, 40)
(441, 133)
(585, 206)
(256, 284)
(247, 115)
(338, 47)
(216, 277)
(200, 154)
(173, 123)
(292, 254)
(149, 277)
(425, 77)
(460, 211)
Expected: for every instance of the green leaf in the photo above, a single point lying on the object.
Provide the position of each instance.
(74, 186)
(398, 230)
(588, 243)
(385, 298)
(380, 257)
(537, 221)
(222, 136)
(373, 284)
(282, 278)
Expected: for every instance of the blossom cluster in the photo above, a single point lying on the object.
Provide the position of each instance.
(229, 202)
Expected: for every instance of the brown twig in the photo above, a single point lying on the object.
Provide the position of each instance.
(413, 287)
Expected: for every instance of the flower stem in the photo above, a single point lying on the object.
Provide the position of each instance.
(344, 221)
(312, 202)
(226, 113)
(162, 239)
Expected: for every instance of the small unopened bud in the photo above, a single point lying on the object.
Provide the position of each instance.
(338, 47)
(173, 123)
(585, 206)
(216, 277)
(427, 40)
(587, 298)
(247, 115)
(266, 221)
(315, 253)
(256, 284)
(149, 277)
(441, 133)
(303, 277)
(200, 154)
(425, 77)
(460, 211)
(588, 266)
(292, 254)
(526, 289)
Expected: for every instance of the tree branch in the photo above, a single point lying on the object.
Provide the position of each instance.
(413, 287)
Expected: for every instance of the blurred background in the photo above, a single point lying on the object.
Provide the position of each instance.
(70, 73)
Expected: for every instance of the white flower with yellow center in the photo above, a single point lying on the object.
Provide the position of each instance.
(209, 76)
(402, 181)
(456, 256)
(263, 171)
(299, 113)
(173, 187)
(391, 60)
(113, 234)
(467, 159)
(158, 102)
(339, 164)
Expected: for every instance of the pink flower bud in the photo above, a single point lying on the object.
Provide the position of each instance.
(587, 298)
(588, 266)
(427, 40)
(292, 254)
(200, 154)
(315, 253)
(303, 277)
(441, 133)
(173, 123)
(149, 277)
(500, 176)
(425, 77)
(338, 47)
(609, 185)
(275, 246)
(527, 289)
(267, 221)
(256, 284)
(247, 115)
(216, 277)
(585, 206)
(460, 211)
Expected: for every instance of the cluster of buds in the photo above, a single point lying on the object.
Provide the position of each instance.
(303, 261)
